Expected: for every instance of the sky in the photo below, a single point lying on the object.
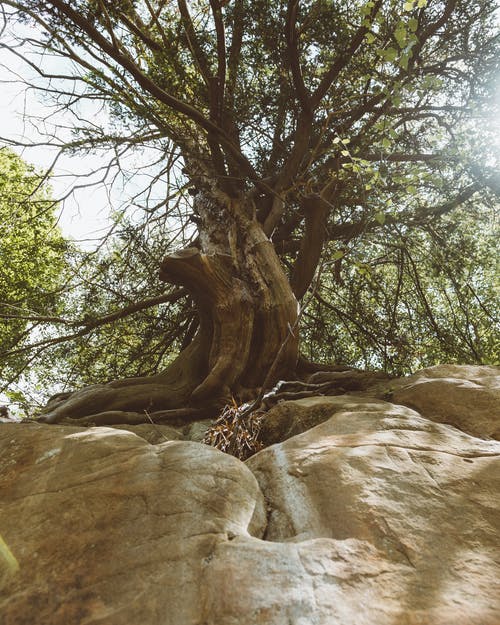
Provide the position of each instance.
(83, 215)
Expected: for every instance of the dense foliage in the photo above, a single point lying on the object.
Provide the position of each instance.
(413, 300)
(32, 259)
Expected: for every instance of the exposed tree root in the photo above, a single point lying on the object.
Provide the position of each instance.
(236, 430)
(176, 417)
(306, 367)
(145, 400)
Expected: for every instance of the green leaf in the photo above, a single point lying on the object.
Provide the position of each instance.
(408, 6)
(421, 4)
(403, 61)
(380, 217)
(338, 254)
(16, 397)
(370, 37)
(386, 143)
(365, 10)
(389, 54)
(345, 153)
(412, 24)
(401, 35)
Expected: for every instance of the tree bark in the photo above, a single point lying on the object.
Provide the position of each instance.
(246, 311)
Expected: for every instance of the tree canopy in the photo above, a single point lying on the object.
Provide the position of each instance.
(337, 154)
(32, 257)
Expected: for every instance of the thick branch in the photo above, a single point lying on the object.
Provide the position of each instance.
(293, 55)
(311, 245)
(221, 59)
(193, 43)
(274, 215)
(432, 29)
(301, 138)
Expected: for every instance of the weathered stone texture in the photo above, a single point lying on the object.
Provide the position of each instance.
(366, 513)
(465, 396)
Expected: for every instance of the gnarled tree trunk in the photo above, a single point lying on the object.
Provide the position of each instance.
(247, 312)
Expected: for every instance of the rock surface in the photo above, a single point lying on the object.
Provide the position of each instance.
(365, 513)
(465, 396)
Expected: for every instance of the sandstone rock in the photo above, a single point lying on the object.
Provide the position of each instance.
(159, 433)
(462, 395)
(375, 516)
(290, 418)
(196, 431)
(153, 434)
(109, 529)
(396, 519)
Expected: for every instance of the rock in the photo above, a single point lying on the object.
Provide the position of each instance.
(159, 433)
(465, 396)
(290, 418)
(153, 434)
(196, 431)
(367, 514)
(109, 529)
(396, 518)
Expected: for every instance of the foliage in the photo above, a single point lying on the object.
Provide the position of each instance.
(124, 272)
(32, 257)
(417, 298)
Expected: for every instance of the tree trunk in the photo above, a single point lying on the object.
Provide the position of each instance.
(247, 312)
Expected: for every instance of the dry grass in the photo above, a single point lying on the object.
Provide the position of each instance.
(235, 432)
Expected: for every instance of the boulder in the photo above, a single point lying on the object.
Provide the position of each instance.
(466, 396)
(289, 418)
(196, 431)
(396, 518)
(363, 512)
(108, 529)
(153, 433)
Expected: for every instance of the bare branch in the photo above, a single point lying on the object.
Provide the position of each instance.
(91, 324)
(293, 55)
(194, 45)
(343, 59)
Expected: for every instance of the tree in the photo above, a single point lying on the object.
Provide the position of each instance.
(300, 126)
(32, 256)
(412, 301)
